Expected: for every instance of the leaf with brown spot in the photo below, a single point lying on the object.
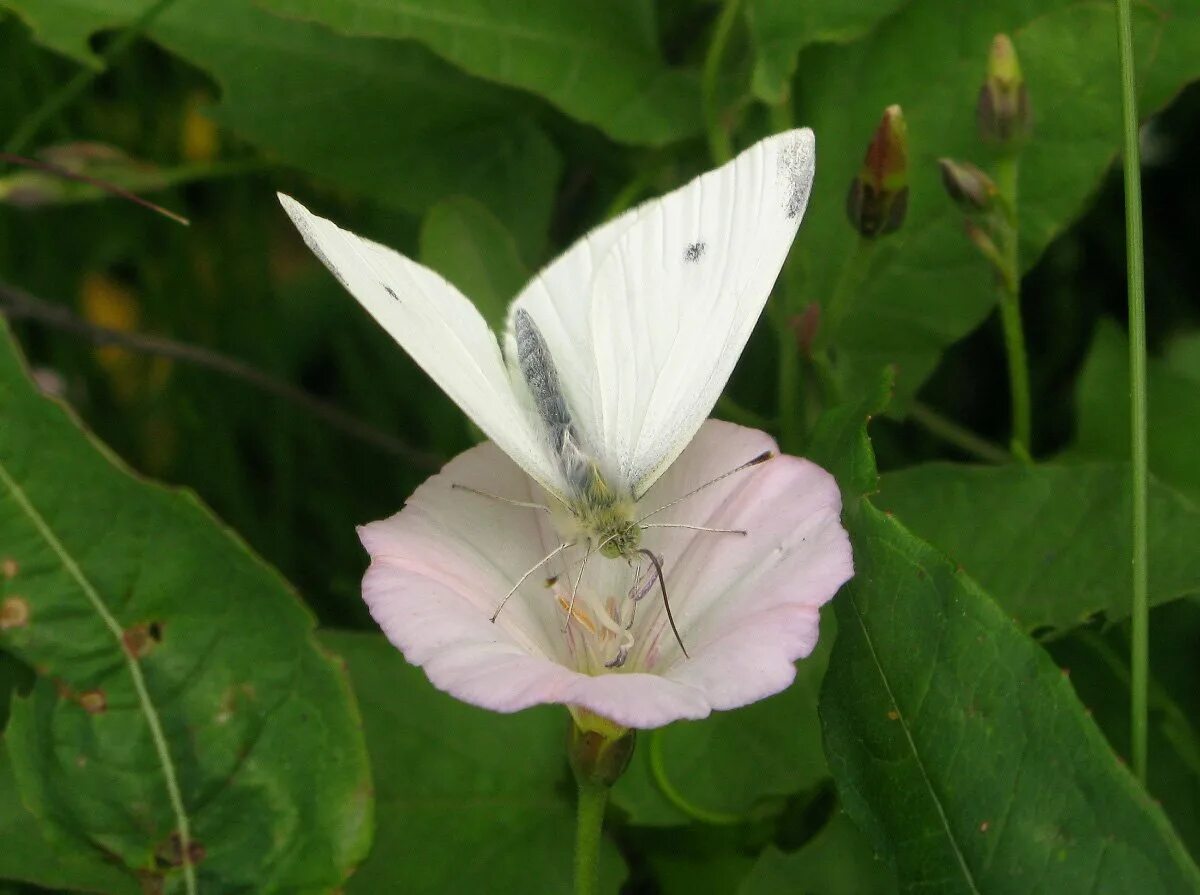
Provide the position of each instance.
(274, 800)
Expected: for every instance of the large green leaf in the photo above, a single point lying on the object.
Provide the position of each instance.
(597, 60)
(1102, 403)
(927, 287)
(732, 765)
(166, 654)
(837, 861)
(386, 119)
(464, 242)
(780, 29)
(468, 800)
(1050, 543)
(959, 747)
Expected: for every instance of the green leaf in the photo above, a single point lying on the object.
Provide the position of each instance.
(1102, 401)
(927, 287)
(839, 442)
(1050, 543)
(597, 60)
(468, 800)
(1099, 668)
(29, 857)
(780, 29)
(731, 766)
(960, 748)
(386, 119)
(464, 242)
(837, 861)
(166, 652)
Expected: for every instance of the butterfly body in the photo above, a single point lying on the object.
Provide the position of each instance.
(606, 518)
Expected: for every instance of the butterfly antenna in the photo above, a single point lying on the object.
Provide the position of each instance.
(666, 603)
(541, 562)
(761, 458)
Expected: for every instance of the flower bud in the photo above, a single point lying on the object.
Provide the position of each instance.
(986, 245)
(970, 188)
(878, 197)
(598, 749)
(1002, 113)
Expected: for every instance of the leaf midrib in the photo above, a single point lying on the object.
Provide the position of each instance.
(912, 745)
(139, 682)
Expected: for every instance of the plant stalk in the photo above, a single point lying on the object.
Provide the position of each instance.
(1140, 647)
(593, 797)
(1010, 311)
(719, 145)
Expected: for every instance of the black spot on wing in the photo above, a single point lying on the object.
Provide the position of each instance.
(694, 252)
(390, 291)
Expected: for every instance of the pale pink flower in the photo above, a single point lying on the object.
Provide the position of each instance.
(747, 607)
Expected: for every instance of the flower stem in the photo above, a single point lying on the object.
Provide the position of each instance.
(29, 127)
(952, 433)
(853, 273)
(719, 145)
(590, 822)
(674, 796)
(791, 411)
(1010, 311)
(1140, 648)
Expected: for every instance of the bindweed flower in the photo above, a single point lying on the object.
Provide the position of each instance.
(746, 605)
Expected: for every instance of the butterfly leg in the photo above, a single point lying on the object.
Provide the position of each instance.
(541, 562)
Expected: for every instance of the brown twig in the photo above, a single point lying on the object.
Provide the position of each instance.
(16, 304)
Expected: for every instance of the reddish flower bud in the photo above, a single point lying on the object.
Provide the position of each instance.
(878, 197)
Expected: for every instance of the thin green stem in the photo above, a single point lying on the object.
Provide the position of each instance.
(952, 433)
(65, 95)
(853, 273)
(1010, 311)
(658, 770)
(589, 824)
(1140, 648)
(790, 399)
(719, 145)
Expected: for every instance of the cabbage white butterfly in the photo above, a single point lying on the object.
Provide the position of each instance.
(615, 353)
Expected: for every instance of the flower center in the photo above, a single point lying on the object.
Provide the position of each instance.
(599, 628)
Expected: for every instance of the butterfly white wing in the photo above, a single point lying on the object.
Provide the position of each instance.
(647, 316)
(442, 331)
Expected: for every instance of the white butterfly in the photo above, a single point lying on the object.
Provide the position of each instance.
(615, 353)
